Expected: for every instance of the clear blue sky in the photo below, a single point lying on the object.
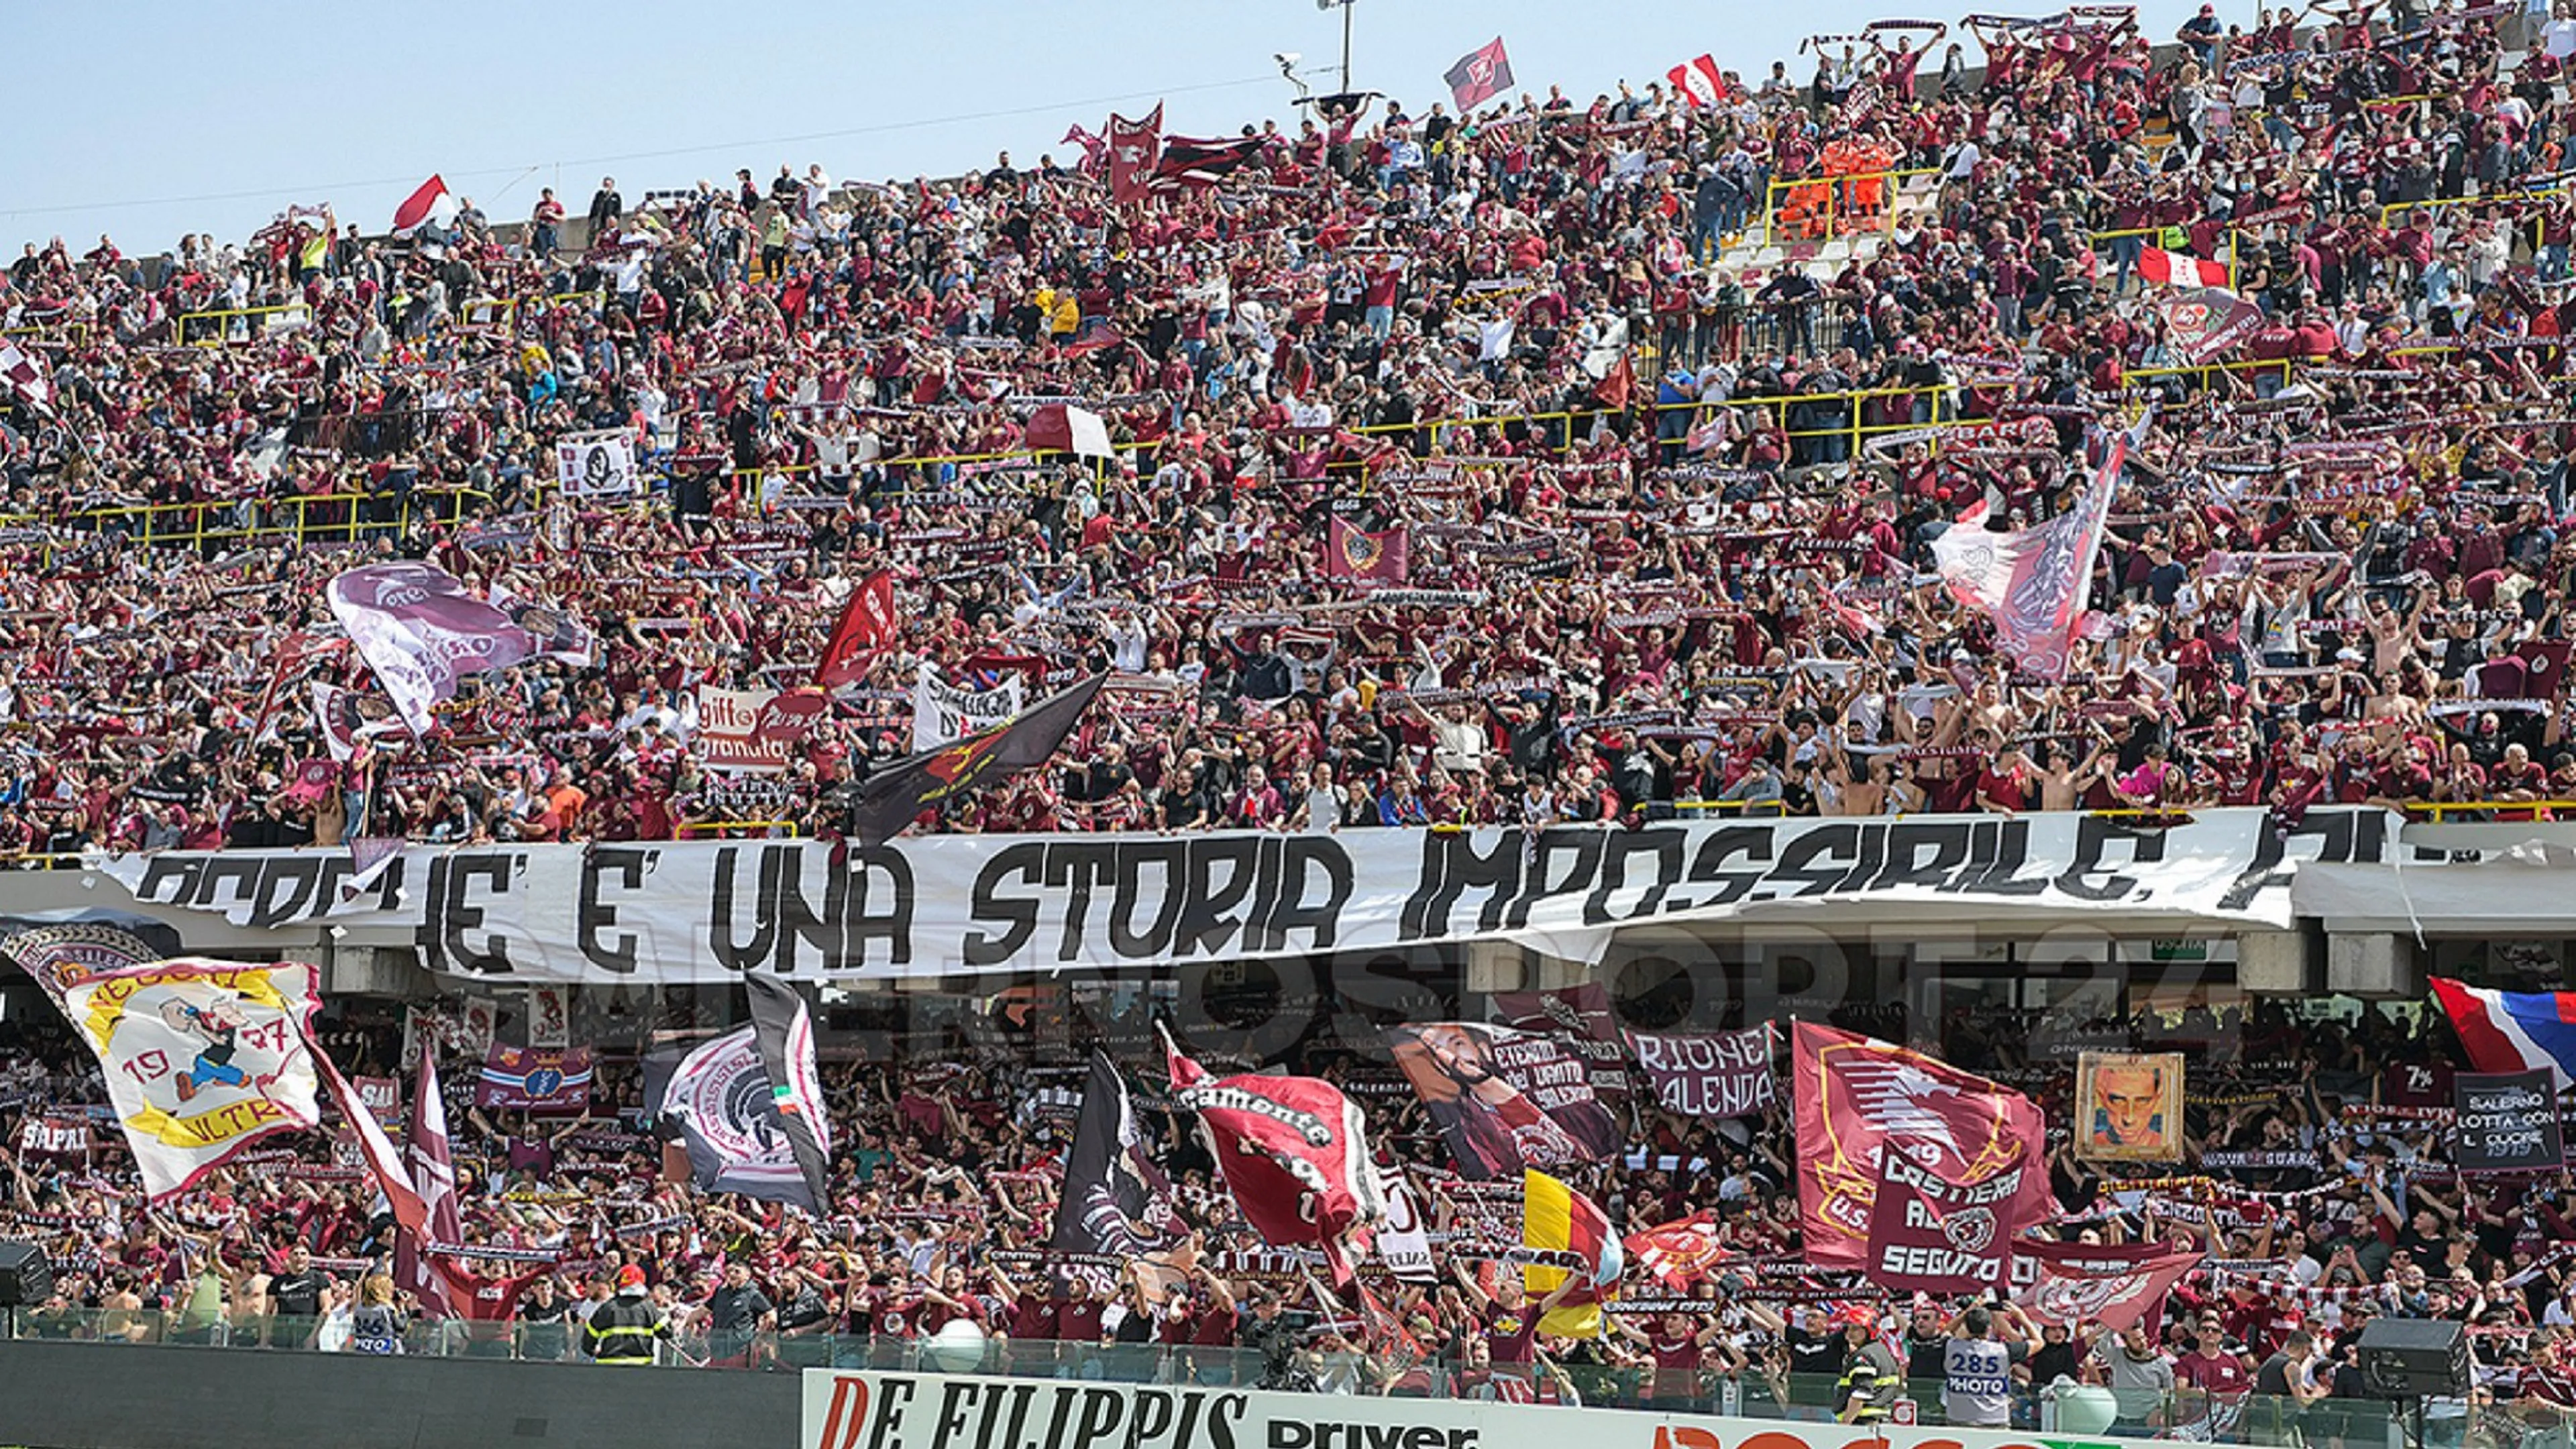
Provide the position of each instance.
(149, 120)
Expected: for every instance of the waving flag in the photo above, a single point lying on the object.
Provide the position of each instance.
(1135, 148)
(2180, 269)
(433, 1176)
(1353, 555)
(421, 632)
(201, 1059)
(1680, 1253)
(1479, 76)
(894, 795)
(431, 202)
(2114, 1285)
(783, 1030)
(1556, 1216)
(1116, 1201)
(2031, 583)
(1192, 161)
(1859, 1098)
(866, 629)
(1293, 1151)
(22, 377)
(720, 1098)
(2513, 1031)
(1698, 81)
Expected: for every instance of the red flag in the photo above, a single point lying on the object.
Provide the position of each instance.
(1858, 1097)
(1293, 1151)
(1479, 76)
(1680, 1253)
(433, 1172)
(2180, 269)
(420, 206)
(1354, 555)
(2112, 1284)
(1616, 388)
(1929, 1233)
(1135, 147)
(1698, 81)
(865, 630)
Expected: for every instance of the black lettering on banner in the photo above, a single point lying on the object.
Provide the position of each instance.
(956, 1405)
(1301, 858)
(1026, 861)
(1169, 858)
(2091, 834)
(1664, 845)
(1543, 880)
(1841, 842)
(1450, 866)
(1073, 866)
(782, 879)
(2342, 836)
(177, 873)
(290, 885)
(242, 874)
(1752, 842)
(452, 912)
(894, 1394)
(731, 954)
(1102, 1411)
(1907, 839)
(861, 926)
(630, 866)
(2000, 849)
(1152, 1417)
(1205, 923)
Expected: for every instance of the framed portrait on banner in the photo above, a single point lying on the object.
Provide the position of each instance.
(2128, 1106)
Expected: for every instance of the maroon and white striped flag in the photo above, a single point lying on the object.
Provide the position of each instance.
(433, 1176)
(1698, 81)
(26, 380)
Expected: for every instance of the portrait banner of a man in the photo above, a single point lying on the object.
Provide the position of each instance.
(2128, 1106)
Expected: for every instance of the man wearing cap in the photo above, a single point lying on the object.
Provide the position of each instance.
(622, 1330)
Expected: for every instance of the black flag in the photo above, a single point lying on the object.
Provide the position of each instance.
(1116, 1201)
(890, 798)
(784, 1030)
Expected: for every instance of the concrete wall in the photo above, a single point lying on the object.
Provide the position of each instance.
(95, 1396)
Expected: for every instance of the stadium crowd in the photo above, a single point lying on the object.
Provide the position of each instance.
(1664, 498)
(1648, 505)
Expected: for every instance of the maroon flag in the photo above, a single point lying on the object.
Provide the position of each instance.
(1931, 1234)
(1095, 149)
(1189, 161)
(2534, 670)
(1504, 1100)
(2114, 1285)
(1709, 1074)
(1859, 1099)
(298, 652)
(433, 1175)
(865, 630)
(1581, 1015)
(1293, 1151)
(2207, 322)
(2031, 583)
(1479, 76)
(1135, 147)
(1356, 556)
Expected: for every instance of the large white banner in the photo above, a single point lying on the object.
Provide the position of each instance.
(856, 1409)
(942, 712)
(663, 911)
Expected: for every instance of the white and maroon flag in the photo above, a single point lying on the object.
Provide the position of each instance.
(25, 378)
(2031, 583)
(420, 631)
(2180, 269)
(1698, 81)
(433, 1176)
(1293, 1151)
(2113, 1284)
(1930, 1233)
(1135, 149)
(430, 202)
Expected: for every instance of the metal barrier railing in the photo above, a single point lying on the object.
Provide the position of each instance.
(224, 319)
(1820, 208)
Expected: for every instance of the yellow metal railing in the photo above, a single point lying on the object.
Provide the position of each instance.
(223, 319)
(247, 520)
(1820, 208)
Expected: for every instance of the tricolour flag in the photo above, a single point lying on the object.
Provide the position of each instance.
(2180, 269)
(1479, 76)
(1697, 81)
(1293, 1151)
(1858, 1098)
(783, 1029)
(2513, 1031)
(1557, 1217)
(430, 202)
(894, 795)
(201, 1059)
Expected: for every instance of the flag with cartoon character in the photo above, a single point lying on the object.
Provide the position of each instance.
(201, 1058)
